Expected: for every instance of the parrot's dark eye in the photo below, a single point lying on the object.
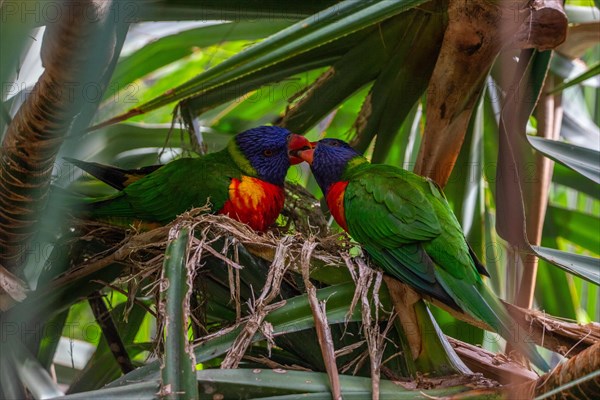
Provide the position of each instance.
(335, 144)
(268, 153)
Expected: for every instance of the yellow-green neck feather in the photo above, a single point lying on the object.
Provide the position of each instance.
(241, 161)
(353, 164)
(356, 161)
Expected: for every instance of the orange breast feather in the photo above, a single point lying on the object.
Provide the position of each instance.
(335, 202)
(254, 202)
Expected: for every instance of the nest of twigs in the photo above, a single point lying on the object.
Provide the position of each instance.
(287, 261)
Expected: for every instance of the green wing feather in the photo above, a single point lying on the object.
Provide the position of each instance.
(172, 189)
(392, 218)
(405, 223)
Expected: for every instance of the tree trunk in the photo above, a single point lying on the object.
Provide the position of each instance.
(76, 51)
(477, 31)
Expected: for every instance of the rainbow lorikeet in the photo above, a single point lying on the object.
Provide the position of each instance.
(405, 224)
(244, 180)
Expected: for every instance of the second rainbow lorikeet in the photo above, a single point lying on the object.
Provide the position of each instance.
(405, 224)
(244, 180)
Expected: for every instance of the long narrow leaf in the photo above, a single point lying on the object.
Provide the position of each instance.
(585, 161)
(333, 23)
(575, 226)
(33, 375)
(578, 127)
(238, 87)
(178, 380)
(356, 68)
(567, 177)
(264, 382)
(102, 367)
(592, 71)
(293, 317)
(585, 267)
(219, 10)
(511, 192)
(405, 78)
(174, 47)
(52, 332)
(134, 391)
(10, 384)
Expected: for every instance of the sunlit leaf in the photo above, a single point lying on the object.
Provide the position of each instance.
(585, 161)
(580, 13)
(102, 367)
(333, 23)
(585, 267)
(575, 226)
(170, 48)
(592, 71)
(567, 177)
(578, 127)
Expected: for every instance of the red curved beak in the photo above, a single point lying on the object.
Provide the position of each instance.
(307, 155)
(296, 145)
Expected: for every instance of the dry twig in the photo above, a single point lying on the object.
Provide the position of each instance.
(259, 309)
(366, 278)
(321, 324)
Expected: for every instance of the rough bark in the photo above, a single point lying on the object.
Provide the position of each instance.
(578, 378)
(492, 365)
(477, 31)
(578, 367)
(37, 131)
(562, 337)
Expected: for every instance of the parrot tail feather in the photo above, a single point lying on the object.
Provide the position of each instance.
(116, 177)
(479, 302)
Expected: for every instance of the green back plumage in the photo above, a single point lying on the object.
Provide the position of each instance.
(390, 213)
(406, 225)
(167, 192)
